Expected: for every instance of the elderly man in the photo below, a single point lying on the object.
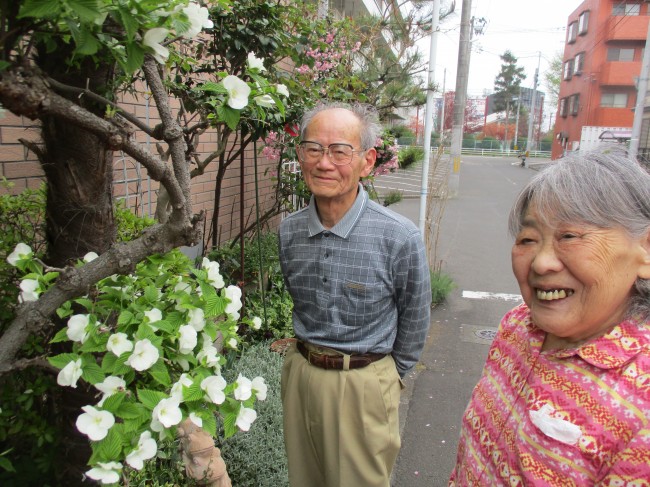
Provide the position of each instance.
(358, 276)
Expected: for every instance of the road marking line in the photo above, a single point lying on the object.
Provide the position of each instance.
(485, 295)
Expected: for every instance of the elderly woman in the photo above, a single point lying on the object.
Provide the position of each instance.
(564, 398)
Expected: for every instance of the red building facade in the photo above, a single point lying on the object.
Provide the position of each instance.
(601, 63)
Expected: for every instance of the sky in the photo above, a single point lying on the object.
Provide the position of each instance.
(526, 28)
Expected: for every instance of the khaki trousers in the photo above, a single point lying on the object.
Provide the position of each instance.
(341, 428)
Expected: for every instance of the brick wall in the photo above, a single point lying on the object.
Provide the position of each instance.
(131, 182)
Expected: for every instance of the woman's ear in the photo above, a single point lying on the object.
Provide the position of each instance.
(644, 268)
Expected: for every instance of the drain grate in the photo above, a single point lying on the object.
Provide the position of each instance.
(485, 334)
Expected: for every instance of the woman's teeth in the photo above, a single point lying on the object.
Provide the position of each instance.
(553, 294)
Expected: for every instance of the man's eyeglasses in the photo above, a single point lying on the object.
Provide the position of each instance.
(339, 154)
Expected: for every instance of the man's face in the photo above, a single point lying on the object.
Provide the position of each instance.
(328, 182)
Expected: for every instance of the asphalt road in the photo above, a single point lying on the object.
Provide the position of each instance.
(474, 248)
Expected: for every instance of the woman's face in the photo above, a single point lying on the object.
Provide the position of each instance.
(576, 278)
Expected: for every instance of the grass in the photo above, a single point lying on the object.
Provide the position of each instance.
(392, 197)
(441, 285)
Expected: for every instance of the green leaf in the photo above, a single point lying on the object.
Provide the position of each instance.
(63, 359)
(151, 294)
(85, 302)
(87, 43)
(163, 325)
(212, 87)
(114, 402)
(134, 57)
(125, 318)
(39, 9)
(92, 373)
(120, 367)
(129, 410)
(88, 10)
(110, 447)
(229, 115)
(61, 336)
(149, 398)
(193, 392)
(6, 465)
(160, 373)
(214, 306)
(108, 362)
(130, 25)
(209, 424)
(94, 344)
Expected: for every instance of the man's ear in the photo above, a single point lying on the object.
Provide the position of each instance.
(369, 158)
(644, 268)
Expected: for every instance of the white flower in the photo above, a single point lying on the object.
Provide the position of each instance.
(110, 386)
(22, 251)
(282, 90)
(90, 256)
(106, 473)
(199, 18)
(257, 323)
(182, 287)
(69, 375)
(244, 389)
(259, 386)
(119, 343)
(187, 340)
(154, 315)
(168, 412)
(213, 387)
(145, 354)
(233, 293)
(146, 449)
(177, 388)
(238, 91)
(232, 343)
(152, 38)
(29, 290)
(255, 62)
(196, 420)
(209, 352)
(214, 277)
(95, 423)
(197, 319)
(77, 325)
(245, 418)
(265, 101)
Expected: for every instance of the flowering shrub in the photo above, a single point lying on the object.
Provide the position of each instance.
(147, 343)
(387, 151)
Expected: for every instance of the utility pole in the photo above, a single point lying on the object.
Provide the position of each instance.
(642, 89)
(462, 76)
(442, 112)
(428, 117)
(517, 120)
(533, 110)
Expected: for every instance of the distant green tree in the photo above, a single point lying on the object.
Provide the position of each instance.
(507, 84)
(552, 78)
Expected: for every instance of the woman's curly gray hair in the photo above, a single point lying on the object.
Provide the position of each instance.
(607, 189)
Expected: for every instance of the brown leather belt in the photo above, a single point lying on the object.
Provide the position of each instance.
(336, 362)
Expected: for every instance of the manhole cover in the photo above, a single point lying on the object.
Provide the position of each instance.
(485, 334)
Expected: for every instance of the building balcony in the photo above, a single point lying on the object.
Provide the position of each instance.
(620, 73)
(627, 28)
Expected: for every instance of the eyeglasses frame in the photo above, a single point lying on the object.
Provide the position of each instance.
(328, 150)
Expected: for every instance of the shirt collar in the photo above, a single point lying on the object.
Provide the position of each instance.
(614, 349)
(346, 224)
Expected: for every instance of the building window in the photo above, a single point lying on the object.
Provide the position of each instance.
(620, 54)
(579, 63)
(574, 104)
(563, 107)
(624, 8)
(583, 22)
(568, 69)
(572, 32)
(614, 100)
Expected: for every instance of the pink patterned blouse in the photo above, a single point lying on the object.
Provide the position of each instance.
(578, 417)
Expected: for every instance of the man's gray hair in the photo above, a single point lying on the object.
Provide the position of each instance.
(607, 189)
(366, 114)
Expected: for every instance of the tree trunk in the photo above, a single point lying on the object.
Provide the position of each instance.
(79, 218)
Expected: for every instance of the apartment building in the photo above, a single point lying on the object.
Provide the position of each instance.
(601, 64)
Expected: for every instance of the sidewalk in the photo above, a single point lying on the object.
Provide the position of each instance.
(474, 248)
